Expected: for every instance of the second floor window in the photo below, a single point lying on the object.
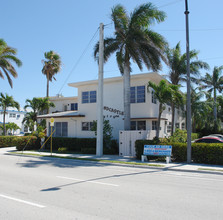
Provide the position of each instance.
(153, 97)
(74, 106)
(89, 97)
(137, 94)
(12, 115)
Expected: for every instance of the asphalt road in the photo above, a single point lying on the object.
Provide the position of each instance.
(53, 188)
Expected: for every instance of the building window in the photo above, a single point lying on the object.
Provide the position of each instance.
(183, 126)
(86, 126)
(169, 127)
(138, 125)
(154, 125)
(137, 94)
(61, 129)
(17, 116)
(26, 129)
(177, 125)
(89, 97)
(12, 115)
(154, 100)
(74, 106)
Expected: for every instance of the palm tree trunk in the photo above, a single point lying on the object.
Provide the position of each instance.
(4, 130)
(158, 122)
(47, 85)
(173, 118)
(126, 88)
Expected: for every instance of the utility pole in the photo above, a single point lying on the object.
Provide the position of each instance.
(188, 87)
(99, 148)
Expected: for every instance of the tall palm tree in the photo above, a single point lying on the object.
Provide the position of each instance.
(5, 102)
(177, 100)
(177, 63)
(163, 93)
(214, 83)
(52, 65)
(30, 119)
(134, 41)
(7, 56)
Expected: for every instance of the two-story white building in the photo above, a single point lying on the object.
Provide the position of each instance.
(73, 116)
(13, 115)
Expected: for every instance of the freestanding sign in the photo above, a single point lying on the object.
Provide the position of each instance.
(157, 150)
(52, 122)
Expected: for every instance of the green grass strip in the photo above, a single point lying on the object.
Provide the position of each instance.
(210, 169)
(91, 159)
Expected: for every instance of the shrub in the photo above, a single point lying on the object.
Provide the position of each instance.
(81, 145)
(201, 152)
(62, 149)
(20, 142)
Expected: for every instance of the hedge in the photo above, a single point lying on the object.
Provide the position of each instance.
(200, 152)
(81, 145)
(30, 142)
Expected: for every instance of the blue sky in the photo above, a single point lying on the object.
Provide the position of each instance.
(69, 27)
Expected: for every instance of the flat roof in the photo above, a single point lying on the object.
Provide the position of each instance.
(153, 76)
(66, 114)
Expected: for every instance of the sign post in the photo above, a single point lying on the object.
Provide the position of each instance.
(51, 125)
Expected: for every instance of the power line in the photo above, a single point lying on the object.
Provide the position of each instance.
(77, 62)
(171, 3)
(208, 29)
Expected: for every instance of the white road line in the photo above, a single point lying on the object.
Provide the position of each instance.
(88, 181)
(22, 201)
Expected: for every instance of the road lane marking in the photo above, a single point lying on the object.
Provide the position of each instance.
(22, 201)
(88, 181)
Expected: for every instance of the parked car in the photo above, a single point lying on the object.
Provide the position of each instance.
(217, 135)
(209, 139)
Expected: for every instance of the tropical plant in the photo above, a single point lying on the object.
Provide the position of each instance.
(51, 66)
(107, 131)
(214, 83)
(134, 41)
(13, 127)
(7, 56)
(177, 100)
(177, 63)
(163, 94)
(30, 120)
(38, 105)
(5, 102)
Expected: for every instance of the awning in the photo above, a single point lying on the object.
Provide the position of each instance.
(66, 114)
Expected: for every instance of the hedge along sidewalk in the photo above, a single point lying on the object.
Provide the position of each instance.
(114, 159)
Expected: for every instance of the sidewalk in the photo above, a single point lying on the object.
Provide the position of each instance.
(125, 161)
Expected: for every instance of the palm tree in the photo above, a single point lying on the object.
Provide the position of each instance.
(7, 56)
(5, 102)
(177, 63)
(134, 41)
(163, 93)
(30, 119)
(13, 127)
(214, 83)
(52, 65)
(177, 100)
(38, 105)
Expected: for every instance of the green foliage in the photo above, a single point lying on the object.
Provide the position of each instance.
(19, 142)
(180, 136)
(81, 145)
(201, 152)
(107, 131)
(62, 150)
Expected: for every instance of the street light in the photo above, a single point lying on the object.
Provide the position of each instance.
(188, 87)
